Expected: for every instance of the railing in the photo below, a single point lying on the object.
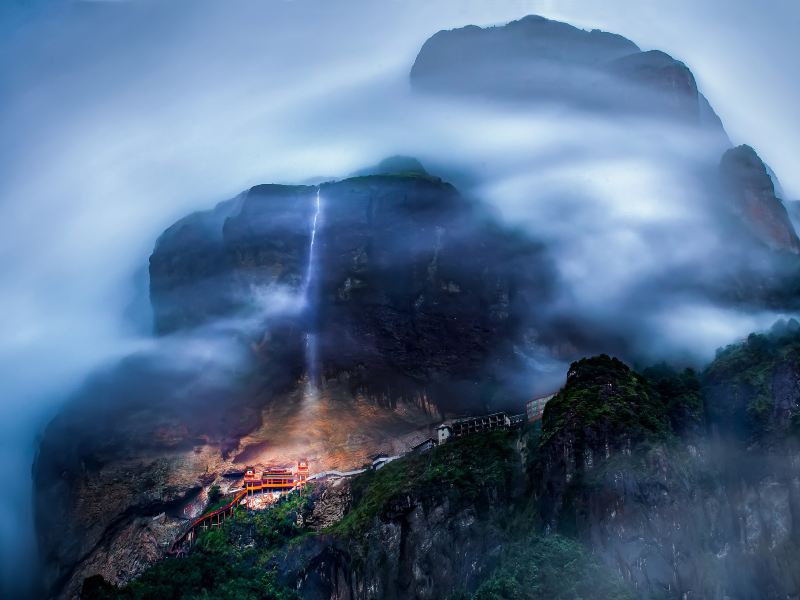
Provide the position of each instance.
(216, 517)
(206, 520)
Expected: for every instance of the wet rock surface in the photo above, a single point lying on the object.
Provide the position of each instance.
(396, 305)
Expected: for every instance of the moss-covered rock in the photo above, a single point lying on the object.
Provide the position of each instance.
(604, 403)
(450, 523)
(682, 395)
(554, 567)
(753, 388)
(466, 470)
(231, 562)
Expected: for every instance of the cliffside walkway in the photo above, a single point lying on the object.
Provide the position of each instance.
(335, 473)
(212, 519)
(216, 517)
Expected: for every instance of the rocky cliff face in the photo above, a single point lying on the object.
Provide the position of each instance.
(394, 302)
(407, 555)
(752, 192)
(694, 514)
(537, 62)
(398, 536)
(604, 410)
(123, 466)
(450, 522)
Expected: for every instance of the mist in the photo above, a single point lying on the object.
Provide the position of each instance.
(120, 117)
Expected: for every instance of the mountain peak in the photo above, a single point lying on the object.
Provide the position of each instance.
(536, 59)
(750, 186)
(394, 165)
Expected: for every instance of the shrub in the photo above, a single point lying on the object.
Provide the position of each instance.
(463, 468)
(552, 567)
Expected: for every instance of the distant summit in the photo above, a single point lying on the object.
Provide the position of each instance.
(531, 39)
(394, 165)
(539, 60)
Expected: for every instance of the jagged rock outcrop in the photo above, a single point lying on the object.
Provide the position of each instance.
(670, 86)
(752, 193)
(331, 501)
(112, 517)
(604, 410)
(408, 554)
(753, 389)
(692, 515)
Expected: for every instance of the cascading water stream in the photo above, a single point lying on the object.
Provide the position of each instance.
(311, 350)
(310, 268)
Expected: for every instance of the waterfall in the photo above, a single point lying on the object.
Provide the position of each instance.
(311, 350)
(311, 267)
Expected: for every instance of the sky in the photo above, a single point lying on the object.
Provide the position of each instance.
(119, 117)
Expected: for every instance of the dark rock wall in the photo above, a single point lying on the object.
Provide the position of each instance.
(422, 549)
(417, 287)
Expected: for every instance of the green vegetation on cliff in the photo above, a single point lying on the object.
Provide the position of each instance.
(214, 570)
(229, 563)
(606, 400)
(609, 422)
(609, 451)
(553, 567)
(246, 558)
(603, 393)
(681, 395)
(464, 468)
(744, 380)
